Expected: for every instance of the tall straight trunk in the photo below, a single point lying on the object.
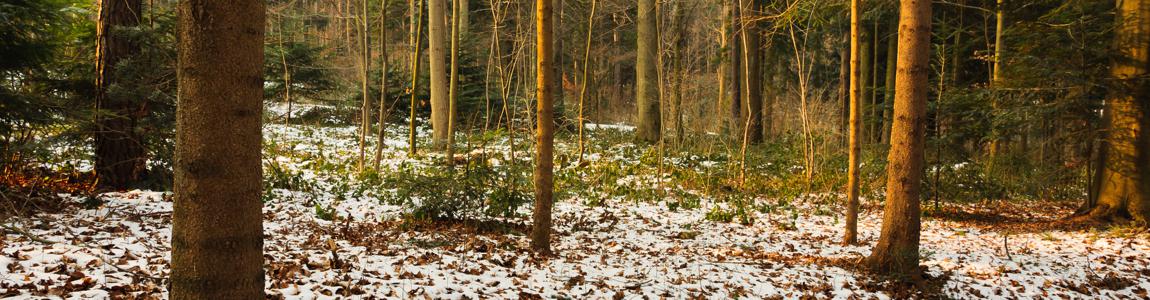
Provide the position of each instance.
(647, 76)
(888, 94)
(586, 78)
(996, 142)
(752, 78)
(872, 90)
(119, 150)
(557, 80)
(217, 228)
(381, 114)
(436, 53)
(464, 17)
(416, 39)
(845, 78)
(897, 250)
(850, 236)
(545, 135)
(453, 91)
(365, 82)
(735, 52)
(721, 73)
(865, 81)
(1124, 187)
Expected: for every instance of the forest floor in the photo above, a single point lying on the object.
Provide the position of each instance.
(323, 245)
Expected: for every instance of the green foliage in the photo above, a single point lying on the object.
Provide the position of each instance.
(475, 191)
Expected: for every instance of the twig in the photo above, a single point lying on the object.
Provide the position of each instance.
(27, 234)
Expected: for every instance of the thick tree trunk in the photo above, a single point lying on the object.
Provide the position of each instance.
(647, 76)
(217, 230)
(119, 150)
(896, 252)
(440, 106)
(1124, 185)
(545, 135)
(850, 236)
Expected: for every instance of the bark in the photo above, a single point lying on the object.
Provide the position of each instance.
(453, 90)
(735, 53)
(545, 135)
(888, 94)
(996, 143)
(1124, 182)
(416, 40)
(865, 80)
(119, 150)
(586, 78)
(383, 55)
(217, 231)
(896, 252)
(440, 106)
(752, 84)
(557, 52)
(647, 80)
(365, 83)
(850, 236)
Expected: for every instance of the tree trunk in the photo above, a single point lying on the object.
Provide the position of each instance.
(557, 80)
(888, 94)
(1124, 186)
(365, 83)
(416, 39)
(896, 252)
(996, 142)
(545, 135)
(217, 230)
(647, 76)
(119, 150)
(453, 90)
(586, 79)
(865, 81)
(850, 236)
(753, 77)
(383, 55)
(440, 106)
(735, 53)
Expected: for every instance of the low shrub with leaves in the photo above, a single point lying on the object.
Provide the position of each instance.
(473, 191)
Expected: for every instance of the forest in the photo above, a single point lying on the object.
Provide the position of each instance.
(575, 149)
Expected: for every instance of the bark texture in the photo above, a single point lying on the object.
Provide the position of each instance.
(440, 106)
(217, 230)
(119, 151)
(850, 236)
(1124, 186)
(647, 75)
(896, 252)
(545, 135)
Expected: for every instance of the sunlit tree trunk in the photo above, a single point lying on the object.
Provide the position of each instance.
(752, 78)
(996, 142)
(850, 236)
(647, 76)
(545, 135)
(217, 229)
(365, 84)
(436, 53)
(383, 56)
(416, 40)
(119, 150)
(453, 91)
(896, 252)
(586, 78)
(1124, 187)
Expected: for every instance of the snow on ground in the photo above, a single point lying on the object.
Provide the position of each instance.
(621, 249)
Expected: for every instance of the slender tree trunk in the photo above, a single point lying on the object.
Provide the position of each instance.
(752, 79)
(365, 81)
(557, 80)
(464, 17)
(453, 91)
(586, 78)
(545, 135)
(1124, 183)
(735, 53)
(845, 79)
(417, 39)
(888, 94)
(647, 76)
(383, 56)
(996, 142)
(896, 252)
(850, 236)
(119, 150)
(865, 66)
(217, 231)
